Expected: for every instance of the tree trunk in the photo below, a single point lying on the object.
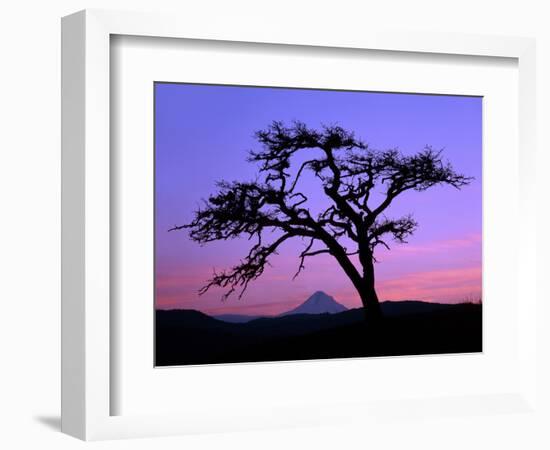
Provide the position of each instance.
(370, 301)
(365, 283)
(367, 290)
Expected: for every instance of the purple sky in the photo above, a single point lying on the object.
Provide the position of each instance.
(203, 134)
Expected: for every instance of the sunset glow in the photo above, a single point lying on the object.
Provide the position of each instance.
(203, 134)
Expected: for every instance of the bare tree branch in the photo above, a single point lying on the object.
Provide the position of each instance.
(348, 172)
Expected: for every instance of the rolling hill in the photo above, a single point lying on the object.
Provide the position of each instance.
(410, 327)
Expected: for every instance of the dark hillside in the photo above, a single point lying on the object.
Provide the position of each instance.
(410, 328)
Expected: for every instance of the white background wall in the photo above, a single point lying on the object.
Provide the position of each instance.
(30, 198)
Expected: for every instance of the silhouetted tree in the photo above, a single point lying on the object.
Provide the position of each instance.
(354, 223)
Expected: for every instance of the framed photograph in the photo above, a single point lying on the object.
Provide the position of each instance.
(306, 217)
(317, 266)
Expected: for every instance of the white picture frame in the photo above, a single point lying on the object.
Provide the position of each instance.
(87, 324)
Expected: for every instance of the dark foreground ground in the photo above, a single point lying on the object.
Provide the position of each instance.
(409, 328)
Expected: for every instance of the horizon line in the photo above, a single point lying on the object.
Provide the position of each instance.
(459, 302)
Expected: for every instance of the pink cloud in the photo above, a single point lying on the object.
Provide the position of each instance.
(448, 285)
(444, 271)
